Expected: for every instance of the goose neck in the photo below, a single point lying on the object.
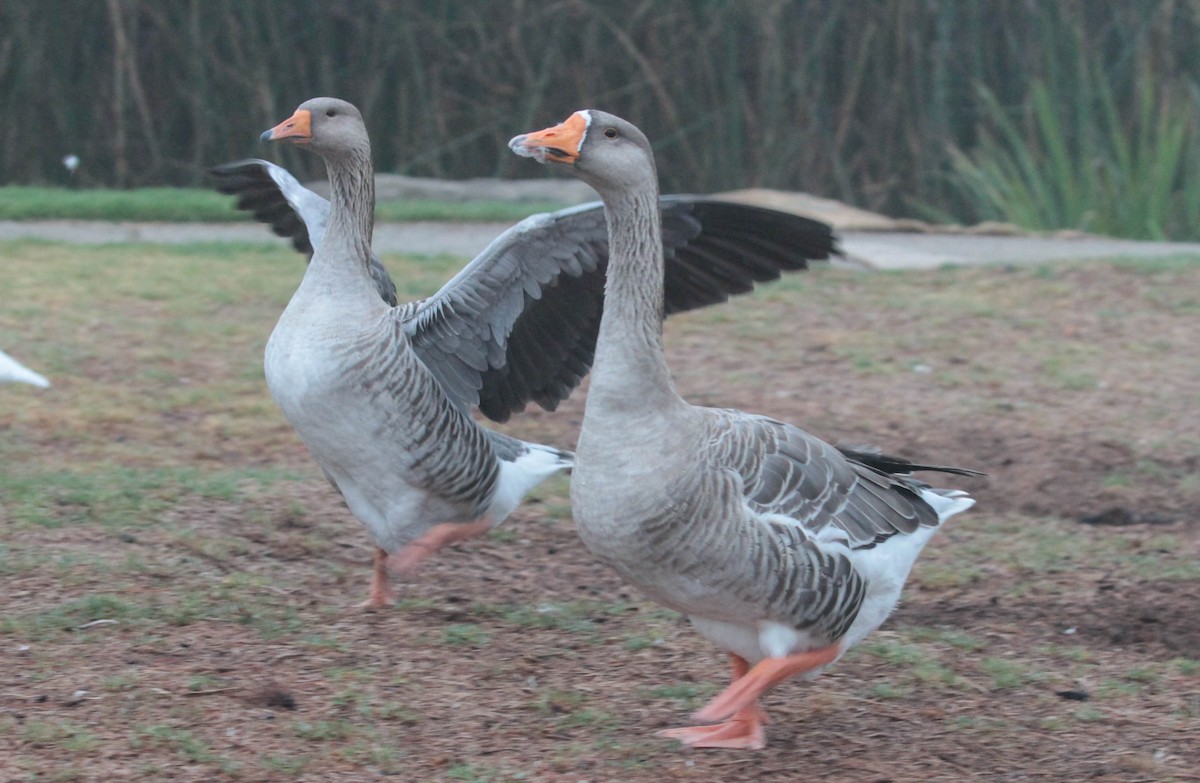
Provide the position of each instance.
(352, 204)
(630, 367)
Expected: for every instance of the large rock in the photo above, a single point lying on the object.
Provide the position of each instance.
(841, 216)
(845, 217)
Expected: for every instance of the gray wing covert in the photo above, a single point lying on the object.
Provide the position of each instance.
(519, 322)
(786, 471)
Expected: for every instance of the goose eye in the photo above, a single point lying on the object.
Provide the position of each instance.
(330, 112)
(610, 133)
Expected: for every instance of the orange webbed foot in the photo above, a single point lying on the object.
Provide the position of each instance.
(743, 731)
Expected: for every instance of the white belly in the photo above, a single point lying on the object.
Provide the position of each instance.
(347, 433)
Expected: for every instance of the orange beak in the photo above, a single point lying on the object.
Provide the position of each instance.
(560, 144)
(297, 128)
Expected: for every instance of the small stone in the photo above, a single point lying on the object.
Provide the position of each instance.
(273, 696)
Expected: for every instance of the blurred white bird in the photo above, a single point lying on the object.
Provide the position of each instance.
(12, 371)
(70, 163)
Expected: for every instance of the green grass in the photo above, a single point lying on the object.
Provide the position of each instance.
(118, 498)
(917, 659)
(324, 730)
(958, 639)
(465, 635)
(144, 204)
(232, 599)
(1187, 666)
(1005, 674)
(641, 641)
(65, 616)
(286, 765)
(576, 617)
(888, 691)
(478, 773)
(187, 205)
(67, 735)
(893, 651)
(182, 741)
(689, 695)
(462, 211)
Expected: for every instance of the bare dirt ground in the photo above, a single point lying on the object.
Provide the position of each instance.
(1052, 633)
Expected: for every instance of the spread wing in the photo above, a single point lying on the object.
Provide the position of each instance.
(519, 323)
(292, 211)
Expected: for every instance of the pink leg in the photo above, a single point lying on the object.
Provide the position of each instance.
(408, 559)
(764, 676)
(381, 594)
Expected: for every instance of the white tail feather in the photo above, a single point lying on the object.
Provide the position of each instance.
(523, 474)
(947, 502)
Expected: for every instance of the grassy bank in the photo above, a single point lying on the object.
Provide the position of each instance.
(185, 205)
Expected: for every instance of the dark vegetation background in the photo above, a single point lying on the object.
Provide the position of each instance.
(1073, 109)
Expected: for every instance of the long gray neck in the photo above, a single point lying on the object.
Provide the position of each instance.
(630, 370)
(352, 209)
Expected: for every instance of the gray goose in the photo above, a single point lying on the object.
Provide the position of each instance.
(12, 371)
(781, 549)
(381, 394)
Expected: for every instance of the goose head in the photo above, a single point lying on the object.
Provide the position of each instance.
(328, 126)
(603, 150)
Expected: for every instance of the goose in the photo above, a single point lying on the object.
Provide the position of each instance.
(781, 549)
(381, 394)
(12, 371)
